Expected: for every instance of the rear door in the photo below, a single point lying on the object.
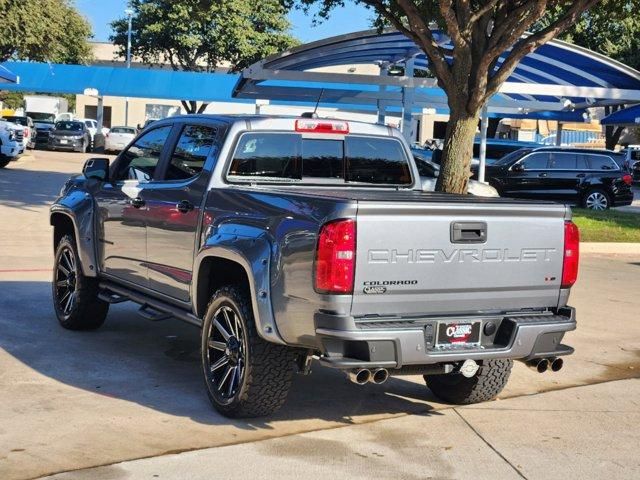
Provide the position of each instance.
(563, 177)
(122, 210)
(174, 206)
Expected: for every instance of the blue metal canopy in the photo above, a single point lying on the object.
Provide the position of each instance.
(122, 82)
(626, 116)
(557, 77)
(6, 76)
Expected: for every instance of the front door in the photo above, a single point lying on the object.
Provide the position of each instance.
(528, 181)
(122, 210)
(174, 206)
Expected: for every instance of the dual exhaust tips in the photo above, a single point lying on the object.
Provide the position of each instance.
(541, 365)
(361, 376)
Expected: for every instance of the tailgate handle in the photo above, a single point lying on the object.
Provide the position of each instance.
(468, 232)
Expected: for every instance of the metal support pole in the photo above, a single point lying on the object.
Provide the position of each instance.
(129, 13)
(484, 124)
(382, 107)
(100, 113)
(408, 97)
(559, 134)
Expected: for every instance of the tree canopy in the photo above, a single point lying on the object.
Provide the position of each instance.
(43, 30)
(204, 35)
(481, 31)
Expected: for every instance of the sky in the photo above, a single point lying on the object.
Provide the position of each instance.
(350, 18)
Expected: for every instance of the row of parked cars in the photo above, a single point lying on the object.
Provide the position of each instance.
(19, 132)
(593, 179)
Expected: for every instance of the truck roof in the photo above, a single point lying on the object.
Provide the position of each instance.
(283, 122)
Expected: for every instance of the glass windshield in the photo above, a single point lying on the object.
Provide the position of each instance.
(69, 126)
(19, 120)
(512, 157)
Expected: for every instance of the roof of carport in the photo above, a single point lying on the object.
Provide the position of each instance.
(7, 76)
(626, 116)
(557, 77)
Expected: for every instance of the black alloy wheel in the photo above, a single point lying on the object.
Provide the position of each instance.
(66, 281)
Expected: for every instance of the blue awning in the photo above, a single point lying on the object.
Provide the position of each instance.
(583, 78)
(6, 76)
(626, 116)
(122, 82)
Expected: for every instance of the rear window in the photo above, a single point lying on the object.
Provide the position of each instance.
(601, 162)
(288, 157)
(123, 130)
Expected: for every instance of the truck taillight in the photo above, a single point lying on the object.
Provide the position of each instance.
(571, 254)
(314, 125)
(336, 257)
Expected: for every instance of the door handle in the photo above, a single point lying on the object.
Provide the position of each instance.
(542, 175)
(184, 206)
(138, 202)
(580, 175)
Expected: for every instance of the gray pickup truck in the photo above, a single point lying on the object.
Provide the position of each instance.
(289, 239)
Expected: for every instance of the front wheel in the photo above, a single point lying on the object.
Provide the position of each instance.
(486, 384)
(75, 297)
(596, 199)
(245, 375)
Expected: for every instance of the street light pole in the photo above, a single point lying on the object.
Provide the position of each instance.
(129, 14)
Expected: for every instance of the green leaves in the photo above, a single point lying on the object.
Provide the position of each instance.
(43, 30)
(205, 35)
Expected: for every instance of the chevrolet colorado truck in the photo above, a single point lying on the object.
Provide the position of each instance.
(289, 239)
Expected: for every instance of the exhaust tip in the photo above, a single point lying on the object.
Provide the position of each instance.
(557, 364)
(542, 365)
(380, 375)
(359, 376)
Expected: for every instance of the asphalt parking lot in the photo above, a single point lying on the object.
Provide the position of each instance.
(132, 390)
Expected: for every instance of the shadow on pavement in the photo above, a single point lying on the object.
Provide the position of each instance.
(157, 365)
(21, 188)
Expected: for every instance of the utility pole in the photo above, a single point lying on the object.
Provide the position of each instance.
(129, 13)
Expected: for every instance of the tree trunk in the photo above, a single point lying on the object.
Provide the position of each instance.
(457, 152)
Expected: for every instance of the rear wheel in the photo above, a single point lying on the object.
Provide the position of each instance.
(596, 199)
(245, 375)
(486, 384)
(75, 297)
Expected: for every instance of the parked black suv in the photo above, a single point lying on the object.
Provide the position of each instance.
(594, 179)
(70, 135)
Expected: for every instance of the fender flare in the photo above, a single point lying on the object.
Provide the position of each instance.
(253, 255)
(78, 207)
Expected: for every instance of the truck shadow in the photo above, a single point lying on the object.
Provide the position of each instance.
(157, 365)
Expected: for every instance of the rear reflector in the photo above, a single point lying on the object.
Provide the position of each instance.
(571, 254)
(322, 126)
(336, 257)
(628, 179)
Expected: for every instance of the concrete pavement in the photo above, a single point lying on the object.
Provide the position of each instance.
(577, 433)
(73, 400)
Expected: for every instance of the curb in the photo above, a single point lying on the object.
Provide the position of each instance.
(610, 248)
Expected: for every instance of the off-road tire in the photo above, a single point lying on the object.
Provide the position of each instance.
(486, 384)
(268, 367)
(88, 312)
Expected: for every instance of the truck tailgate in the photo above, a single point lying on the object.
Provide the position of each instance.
(431, 258)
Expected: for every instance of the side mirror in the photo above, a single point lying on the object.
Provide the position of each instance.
(518, 167)
(97, 168)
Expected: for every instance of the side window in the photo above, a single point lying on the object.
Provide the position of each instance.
(601, 162)
(191, 152)
(536, 161)
(562, 161)
(267, 155)
(139, 161)
(376, 160)
(581, 162)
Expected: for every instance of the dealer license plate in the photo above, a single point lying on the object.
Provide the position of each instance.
(459, 333)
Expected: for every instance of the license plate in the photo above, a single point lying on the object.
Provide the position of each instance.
(63, 141)
(459, 333)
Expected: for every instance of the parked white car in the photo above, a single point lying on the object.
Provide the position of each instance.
(118, 138)
(11, 142)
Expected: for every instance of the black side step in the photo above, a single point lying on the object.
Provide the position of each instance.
(148, 312)
(162, 309)
(111, 298)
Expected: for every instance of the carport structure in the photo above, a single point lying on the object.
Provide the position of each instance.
(558, 81)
